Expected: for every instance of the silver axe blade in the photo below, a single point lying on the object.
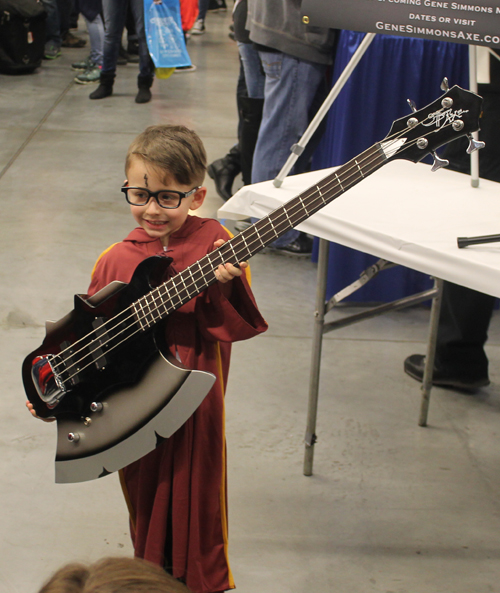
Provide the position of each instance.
(121, 432)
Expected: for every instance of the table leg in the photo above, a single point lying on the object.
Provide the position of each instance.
(319, 320)
(431, 352)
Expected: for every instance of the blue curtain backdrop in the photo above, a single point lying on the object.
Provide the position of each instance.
(392, 70)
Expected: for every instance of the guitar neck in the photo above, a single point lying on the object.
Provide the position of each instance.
(175, 292)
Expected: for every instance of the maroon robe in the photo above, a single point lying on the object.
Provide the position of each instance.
(178, 491)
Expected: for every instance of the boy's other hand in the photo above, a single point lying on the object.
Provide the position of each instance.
(31, 409)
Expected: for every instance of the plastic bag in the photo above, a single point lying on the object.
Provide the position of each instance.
(164, 36)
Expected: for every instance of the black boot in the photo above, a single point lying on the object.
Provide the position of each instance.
(105, 88)
(250, 112)
(223, 171)
(144, 83)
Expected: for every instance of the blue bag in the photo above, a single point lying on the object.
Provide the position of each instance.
(164, 34)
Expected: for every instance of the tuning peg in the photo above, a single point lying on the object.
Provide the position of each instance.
(474, 144)
(412, 105)
(445, 86)
(438, 162)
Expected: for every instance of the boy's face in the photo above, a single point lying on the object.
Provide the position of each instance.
(160, 223)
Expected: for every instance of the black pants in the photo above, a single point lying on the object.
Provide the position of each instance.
(463, 331)
(466, 313)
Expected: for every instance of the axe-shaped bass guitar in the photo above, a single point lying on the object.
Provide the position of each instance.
(104, 371)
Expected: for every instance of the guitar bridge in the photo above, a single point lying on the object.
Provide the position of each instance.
(50, 387)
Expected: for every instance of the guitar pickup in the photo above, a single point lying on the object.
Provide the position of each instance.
(70, 365)
(96, 347)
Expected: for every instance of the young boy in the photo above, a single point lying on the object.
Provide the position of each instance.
(177, 493)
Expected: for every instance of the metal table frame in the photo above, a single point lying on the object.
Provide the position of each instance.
(322, 327)
(323, 307)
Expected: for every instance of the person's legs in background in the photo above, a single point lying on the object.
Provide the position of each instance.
(199, 26)
(250, 100)
(53, 30)
(93, 65)
(114, 12)
(74, 14)
(290, 88)
(250, 105)
(461, 361)
(68, 39)
(131, 52)
(146, 66)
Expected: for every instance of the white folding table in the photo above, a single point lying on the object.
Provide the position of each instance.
(404, 214)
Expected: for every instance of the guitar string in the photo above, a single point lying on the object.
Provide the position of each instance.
(119, 321)
(378, 155)
(352, 166)
(173, 280)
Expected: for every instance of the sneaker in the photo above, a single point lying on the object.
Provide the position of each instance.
(73, 41)
(301, 247)
(242, 225)
(198, 28)
(51, 51)
(191, 68)
(92, 74)
(83, 64)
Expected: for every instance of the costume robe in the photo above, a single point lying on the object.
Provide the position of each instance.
(177, 493)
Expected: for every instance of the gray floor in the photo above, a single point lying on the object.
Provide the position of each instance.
(391, 508)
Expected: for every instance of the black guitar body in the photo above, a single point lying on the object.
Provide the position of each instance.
(123, 392)
(106, 370)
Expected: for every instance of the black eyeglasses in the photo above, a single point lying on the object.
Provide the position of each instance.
(165, 198)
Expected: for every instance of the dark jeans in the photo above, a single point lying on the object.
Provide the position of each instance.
(115, 14)
(202, 9)
(53, 28)
(65, 7)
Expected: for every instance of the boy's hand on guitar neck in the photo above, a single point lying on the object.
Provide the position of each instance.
(226, 272)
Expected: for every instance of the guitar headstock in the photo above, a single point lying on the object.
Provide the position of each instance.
(453, 115)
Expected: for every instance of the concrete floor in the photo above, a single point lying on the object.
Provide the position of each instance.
(391, 508)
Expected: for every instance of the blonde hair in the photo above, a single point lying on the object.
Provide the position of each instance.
(113, 575)
(172, 150)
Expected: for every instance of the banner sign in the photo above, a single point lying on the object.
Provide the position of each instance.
(475, 23)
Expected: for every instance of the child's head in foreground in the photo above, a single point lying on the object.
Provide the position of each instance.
(113, 575)
(160, 159)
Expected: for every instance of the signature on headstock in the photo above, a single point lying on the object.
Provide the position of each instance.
(442, 118)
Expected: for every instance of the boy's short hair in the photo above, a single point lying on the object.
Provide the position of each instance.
(174, 150)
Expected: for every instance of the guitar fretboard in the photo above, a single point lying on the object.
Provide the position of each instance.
(175, 292)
